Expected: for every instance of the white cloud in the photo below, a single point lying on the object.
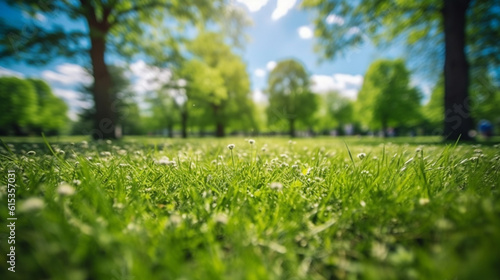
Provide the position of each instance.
(353, 30)
(270, 65)
(334, 19)
(68, 74)
(305, 32)
(345, 84)
(37, 16)
(253, 5)
(8, 73)
(74, 100)
(148, 78)
(282, 8)
(259, 96)
(259, 72)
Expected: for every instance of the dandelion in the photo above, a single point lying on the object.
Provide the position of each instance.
(31, 204)
(361, 155)
(276, 186)
(65, 189)
(251, 141)
(231, 147)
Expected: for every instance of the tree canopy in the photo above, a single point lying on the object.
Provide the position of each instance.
(386, 98)
(290, 97)
(29, 106)
(466, 30)
(154, 28)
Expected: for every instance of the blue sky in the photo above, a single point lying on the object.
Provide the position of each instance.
(280, 30)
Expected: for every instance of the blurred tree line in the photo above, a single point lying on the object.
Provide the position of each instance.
(28, 107)
(209, 89)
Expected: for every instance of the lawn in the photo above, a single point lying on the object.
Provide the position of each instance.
(275, 209)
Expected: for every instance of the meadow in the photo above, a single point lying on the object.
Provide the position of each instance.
(267, 208)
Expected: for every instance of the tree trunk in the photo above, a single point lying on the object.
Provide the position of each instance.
(184, 118)
(219, 122)
(105, 117)
(457, 120)
(292, 128)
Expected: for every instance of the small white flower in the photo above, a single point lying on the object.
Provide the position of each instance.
(276, 186)
(31, 153)
(163, 161)
(105, 154)
(251, 141)
(230, 146)
(423, 201)
(362, 203)
(361, 155)
(31, 204)
(263, 149)
(65, 189)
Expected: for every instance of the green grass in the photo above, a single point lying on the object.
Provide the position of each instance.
(310, 209)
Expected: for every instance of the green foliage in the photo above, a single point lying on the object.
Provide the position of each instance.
(484, 102)
(302, 210)
(434, 109)
(218, 84)
(52, 115)
(18, 104)
(290, 98)
(386, 98)
(124, 104)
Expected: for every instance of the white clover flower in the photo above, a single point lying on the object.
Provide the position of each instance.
(251, 141)
(423, 201)
(230, 146)
(276, 186)
(65, 189)
(361, 155)
(31, 204)
(105, 154)
(221, 218)
(163, 161)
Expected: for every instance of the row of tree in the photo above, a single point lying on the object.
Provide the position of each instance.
(214, 95)
(465, 30)
(28, 106)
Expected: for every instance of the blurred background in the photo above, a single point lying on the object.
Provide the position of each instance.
(250, 67)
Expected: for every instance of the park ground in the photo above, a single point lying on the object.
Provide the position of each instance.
(270, 208)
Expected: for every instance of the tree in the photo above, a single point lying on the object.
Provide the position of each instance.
(51, 116)
(127, 27)
(18, 104)
(339, 108)
(485, 100)
(386, 98)
(218, 85)
(466, 29)
(290, 98)
(124, 104)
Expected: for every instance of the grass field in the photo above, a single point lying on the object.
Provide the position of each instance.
(306, 209)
